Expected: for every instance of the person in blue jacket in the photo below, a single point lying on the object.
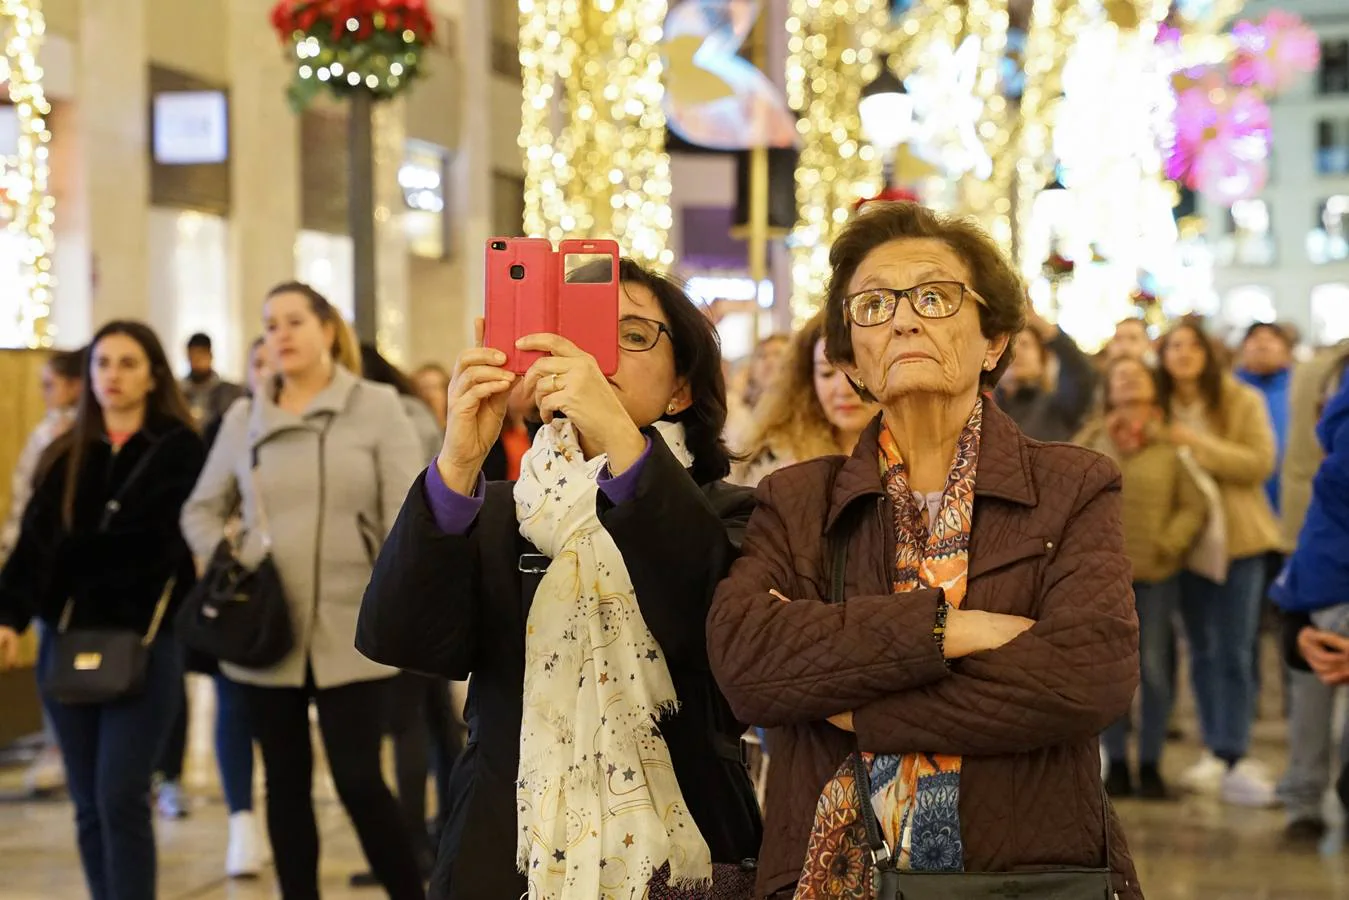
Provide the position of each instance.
(1316, 579)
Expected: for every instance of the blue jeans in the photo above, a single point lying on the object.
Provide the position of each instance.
(1156, 605)
(110, 751)
(1221, 622)
(233, 745)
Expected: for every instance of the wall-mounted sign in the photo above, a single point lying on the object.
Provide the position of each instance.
(191, 128)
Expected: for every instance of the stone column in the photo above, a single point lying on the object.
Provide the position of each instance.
(391, 243)
(113, 137)
(471, 167)
(265, 175)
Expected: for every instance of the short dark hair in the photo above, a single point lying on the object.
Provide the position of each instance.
(1278, 330)
(199, 341)
(68, 364)
(992, 276)
(374, 367)
(697, 356)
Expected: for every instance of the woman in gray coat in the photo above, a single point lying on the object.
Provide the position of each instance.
(321, 465)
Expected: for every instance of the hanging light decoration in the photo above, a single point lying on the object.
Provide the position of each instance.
(603, 172)
(345, 46)
(833, 50)
(27, 192)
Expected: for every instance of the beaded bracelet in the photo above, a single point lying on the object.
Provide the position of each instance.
(939, 627)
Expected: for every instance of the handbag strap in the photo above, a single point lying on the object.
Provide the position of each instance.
(881, 854)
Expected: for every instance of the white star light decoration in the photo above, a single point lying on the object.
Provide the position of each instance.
(947, 111)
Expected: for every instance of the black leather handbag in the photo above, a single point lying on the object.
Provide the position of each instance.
(102, 665)
(236, 614)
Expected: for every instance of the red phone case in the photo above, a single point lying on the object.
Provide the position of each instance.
(587, 314)
(516, 307)
(540, 300)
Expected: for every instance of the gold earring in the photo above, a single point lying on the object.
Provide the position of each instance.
(861, 384)
(988, 366)
(671, 408)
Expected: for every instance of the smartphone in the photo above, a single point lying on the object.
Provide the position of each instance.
(572, 291)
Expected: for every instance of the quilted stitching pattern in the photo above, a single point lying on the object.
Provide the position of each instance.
(1047, 543)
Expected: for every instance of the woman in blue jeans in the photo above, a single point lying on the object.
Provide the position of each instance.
(100, 549)
(1162, 514)
(1223, 428)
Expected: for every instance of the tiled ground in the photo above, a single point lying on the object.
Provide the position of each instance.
(1192, 850)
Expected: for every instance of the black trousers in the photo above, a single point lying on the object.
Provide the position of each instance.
(424, 732)
(350, 721)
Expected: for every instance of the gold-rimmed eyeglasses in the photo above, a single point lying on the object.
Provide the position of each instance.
(930, 300)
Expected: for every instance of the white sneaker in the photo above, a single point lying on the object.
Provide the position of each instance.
(1205, 776)
(169, 799)
(1247, 784)
(243, 858)
(46, 774)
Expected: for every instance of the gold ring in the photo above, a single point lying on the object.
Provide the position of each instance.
(552, 385)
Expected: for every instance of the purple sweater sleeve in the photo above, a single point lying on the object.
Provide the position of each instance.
(623, 488)
(454, 513)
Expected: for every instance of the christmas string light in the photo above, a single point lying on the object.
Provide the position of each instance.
(833, 51)
(990, 200)
(1048, 42)
(33, 205)
(604, 172)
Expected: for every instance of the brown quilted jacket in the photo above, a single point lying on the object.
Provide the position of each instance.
(1046, 544)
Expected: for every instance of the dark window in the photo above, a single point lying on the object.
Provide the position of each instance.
(506, 39)
(1334, 75)
(508, 204)
(1332, 146)
(1328, 241)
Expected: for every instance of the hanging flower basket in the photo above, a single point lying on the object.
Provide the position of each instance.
(348, 46)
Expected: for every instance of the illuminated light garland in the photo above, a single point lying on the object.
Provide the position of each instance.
(1048, 42)
(833, 51)
(604, 172)
(33, 205)
(990, 200)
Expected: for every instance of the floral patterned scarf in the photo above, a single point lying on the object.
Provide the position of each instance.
(917, 795)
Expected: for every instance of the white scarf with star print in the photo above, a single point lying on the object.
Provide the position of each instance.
(597, 804)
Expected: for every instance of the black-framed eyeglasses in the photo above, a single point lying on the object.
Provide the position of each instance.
(930, 300)
(638, 335)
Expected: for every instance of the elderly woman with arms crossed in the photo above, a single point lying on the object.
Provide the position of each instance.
(942, 623)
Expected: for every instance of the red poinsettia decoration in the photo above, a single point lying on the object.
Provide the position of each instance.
(1056, 265)
(353, 45)
(889, 194)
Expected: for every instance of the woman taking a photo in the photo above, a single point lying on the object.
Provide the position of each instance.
(601, 757)
(100, 550)
(1163, 514)
(952, 602)
(316, 464)
(1223, 427)
(810, 410)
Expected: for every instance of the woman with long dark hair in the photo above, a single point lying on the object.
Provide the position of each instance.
(322, 457)
(1222, 428)
(100, 549)
(602, 758)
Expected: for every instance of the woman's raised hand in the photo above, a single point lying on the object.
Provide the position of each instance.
(478, 393)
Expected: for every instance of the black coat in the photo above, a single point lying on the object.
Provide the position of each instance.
(115, 577)
(457, 605)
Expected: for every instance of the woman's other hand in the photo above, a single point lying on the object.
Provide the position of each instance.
(569, 381)
(9, 648)
(479, 390)
(974, 631)
(1326, 653)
